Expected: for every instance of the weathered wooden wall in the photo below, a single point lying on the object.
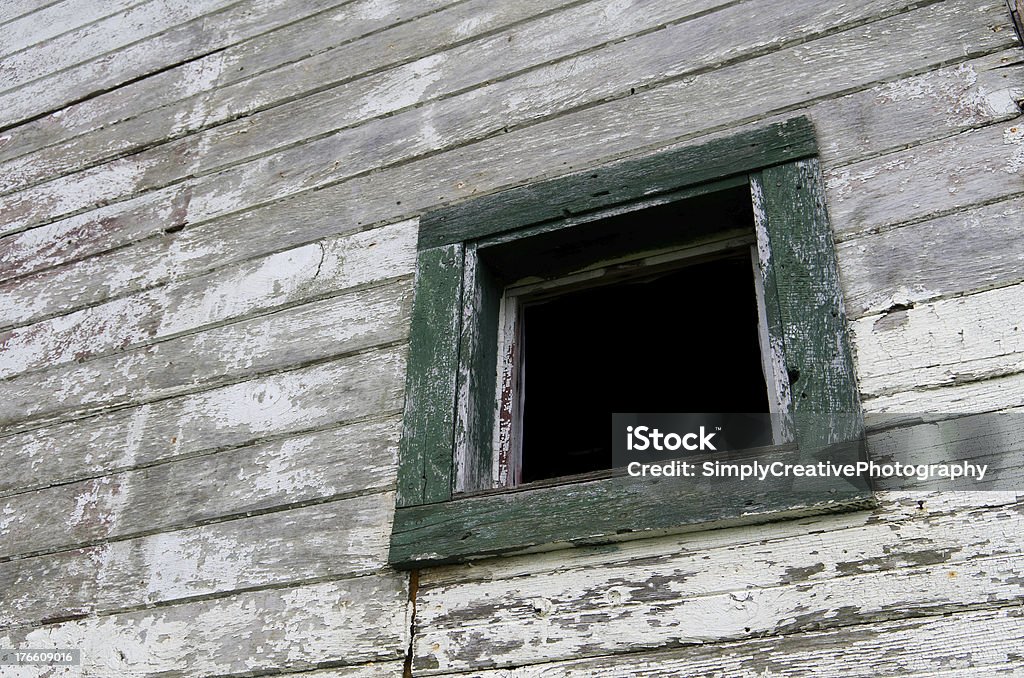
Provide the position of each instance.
(208, 215)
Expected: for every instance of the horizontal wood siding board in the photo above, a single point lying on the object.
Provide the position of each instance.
(975, 643)
(297, 470)
(338, 539)
(498, 162)
(595, 511)
(627, 180)
(426, 461)
(270, 631)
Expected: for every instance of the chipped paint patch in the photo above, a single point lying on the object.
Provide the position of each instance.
(1014, 137)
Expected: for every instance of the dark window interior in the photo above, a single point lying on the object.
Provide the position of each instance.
(683, 342)
(680, 340)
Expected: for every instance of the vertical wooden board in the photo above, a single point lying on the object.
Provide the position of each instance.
(425, 461)
(819, 362)
(477, 376)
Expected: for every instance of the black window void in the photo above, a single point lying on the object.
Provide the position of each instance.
(685, 341)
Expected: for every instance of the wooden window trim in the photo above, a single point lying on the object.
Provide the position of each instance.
(449, 410)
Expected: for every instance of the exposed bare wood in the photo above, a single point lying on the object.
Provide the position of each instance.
(913, 264)
(343, 538)
(55, 19)
(316, 331)
(969, 644)
(942, 176)
(366, 385)
(353, 621)
(947, 342)
(647, 606)
(255, 286)
(181, 91)
(300, 469)
(644, 60)
(236, 237)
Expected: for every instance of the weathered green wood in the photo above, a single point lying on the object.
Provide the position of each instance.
(805, 321)
(819, 362)
(620, 182)
(425, 462)
(575, 513)
(478, 356)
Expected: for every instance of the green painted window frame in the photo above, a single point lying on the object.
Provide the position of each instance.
(452, 356)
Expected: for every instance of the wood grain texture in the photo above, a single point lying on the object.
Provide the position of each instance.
(54, 19)
(319, 330)
(912, 264)
(340, 539)
(176, 99)
(371, 69)
(367, 385)
(967, 644)
(593, 189)
(492, 164)
(192, 35)
(597, 75)
(353, 621)
(939, 177)
(761, 589)
(599, 511)
(948, 342)
(106, 35)
(120, 504)
(251, 287)
(428, 438)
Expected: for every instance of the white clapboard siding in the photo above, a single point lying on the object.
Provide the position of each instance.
(294, 471)
(159, 258)
(989, 395)
(180, 92)
(351, 621)
(260, 285)
(946, 342)
(643, 60)
(341, 539)
(300, 85)
(970, 250)
(968, 644)
(941, 176)
(56, 19)
(320, 330)
(96, 39)
(482, 625)
(499, 162)
(367, 385)
(201, 35)
(14, 9)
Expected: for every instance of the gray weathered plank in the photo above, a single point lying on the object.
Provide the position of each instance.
(339, 539)
(299, 469)
(181, 91)
(968, 644)
(300, 86)
(54, 19)
(352, 621)
(942, 176)
(916, 263)
(248, 288)
(987, 395)
(202, 35)
(319, 330)
(947, 342)
(596, 75)
(363, 386)
(13, 9)
(658, 605)
(134, 24)
(495, 163)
